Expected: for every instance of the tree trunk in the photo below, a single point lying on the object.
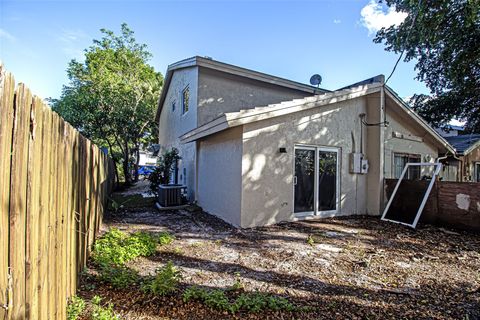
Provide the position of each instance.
(117, 176)
(126, 171)
(137, 161)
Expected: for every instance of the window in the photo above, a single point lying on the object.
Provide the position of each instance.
(400, 161)
(173, 105)
(185, 99)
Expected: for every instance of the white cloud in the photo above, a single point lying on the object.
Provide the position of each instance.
(337, 21)
(376, 16)
(73, 42)
(5, 35)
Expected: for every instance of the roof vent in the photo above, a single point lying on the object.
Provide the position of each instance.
(208, 57)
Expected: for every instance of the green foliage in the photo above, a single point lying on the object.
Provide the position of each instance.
(255, 302)
(310, 240)
(213, 298)
(161, 174)
(120, 201)
(251, 302)
(119, 277)
(237, 285)
(116, 248)
(102, 313)
(75, 308)
(112, 96)
(442, 36)
(165, 281)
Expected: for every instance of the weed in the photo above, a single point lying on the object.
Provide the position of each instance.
(75, 308)
(102, 313)
(117, 247)
(178, 250)
(165, 281)
(118, 276)
(252, 302)
(237, 285)
(212, 298)
(310, 240)
(255, 302)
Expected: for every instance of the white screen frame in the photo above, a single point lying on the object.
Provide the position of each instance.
(437, 167)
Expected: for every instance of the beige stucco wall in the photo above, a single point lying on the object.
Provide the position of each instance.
(219, 175)
(220, 92)
(173, 124)
(267, 175)
(374, 137)
(399, 122)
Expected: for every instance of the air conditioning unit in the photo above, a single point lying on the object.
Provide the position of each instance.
(170, 195)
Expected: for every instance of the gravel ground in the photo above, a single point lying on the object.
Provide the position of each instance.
(352, 268)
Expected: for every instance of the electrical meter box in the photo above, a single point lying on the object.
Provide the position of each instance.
(358, 164)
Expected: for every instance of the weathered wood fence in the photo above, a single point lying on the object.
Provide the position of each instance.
(450, 204)
(53, 189)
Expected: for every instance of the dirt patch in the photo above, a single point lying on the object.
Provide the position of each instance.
(355, 268)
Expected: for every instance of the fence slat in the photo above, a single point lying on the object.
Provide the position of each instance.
(33, 209)
(7, 88)
(18, 200)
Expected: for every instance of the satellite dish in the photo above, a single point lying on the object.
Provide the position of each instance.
(316, 80)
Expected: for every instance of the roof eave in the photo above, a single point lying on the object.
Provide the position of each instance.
(231, 69)
(234, 119)
(420, 120)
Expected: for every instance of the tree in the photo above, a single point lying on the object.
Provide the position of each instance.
(444, 37)
(112, 96)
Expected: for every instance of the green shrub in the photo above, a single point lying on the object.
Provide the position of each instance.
(75, 308)
(117, 247)
(162, 172)
(165, 281)
(119, 277)
(213, 298)
(102, 313)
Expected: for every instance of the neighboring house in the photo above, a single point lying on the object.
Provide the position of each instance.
(198, 90)
(253, 160)
(147, 158)
(464, 165)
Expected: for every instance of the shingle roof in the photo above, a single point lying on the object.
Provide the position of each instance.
(464, 142)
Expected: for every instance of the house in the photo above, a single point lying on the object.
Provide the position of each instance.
(258, 149)
(464, 165)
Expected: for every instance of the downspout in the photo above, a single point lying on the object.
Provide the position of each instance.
(455, 157)
(382, 140)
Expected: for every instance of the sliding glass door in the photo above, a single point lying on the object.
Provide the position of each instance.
(316, 180)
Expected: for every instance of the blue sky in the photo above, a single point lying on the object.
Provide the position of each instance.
(290, 39)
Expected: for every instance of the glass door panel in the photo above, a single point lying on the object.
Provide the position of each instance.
(327, 180)
(304, 180)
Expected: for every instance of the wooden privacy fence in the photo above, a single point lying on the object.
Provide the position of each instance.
(53, 189)
(450, 204)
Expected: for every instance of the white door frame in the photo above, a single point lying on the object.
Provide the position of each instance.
(316, 211)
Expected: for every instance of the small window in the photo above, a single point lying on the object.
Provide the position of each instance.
(401, 160)
(173, 105)
(185, 99)
(477, 171)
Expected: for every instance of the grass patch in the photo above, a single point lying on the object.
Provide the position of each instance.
(251, 302)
